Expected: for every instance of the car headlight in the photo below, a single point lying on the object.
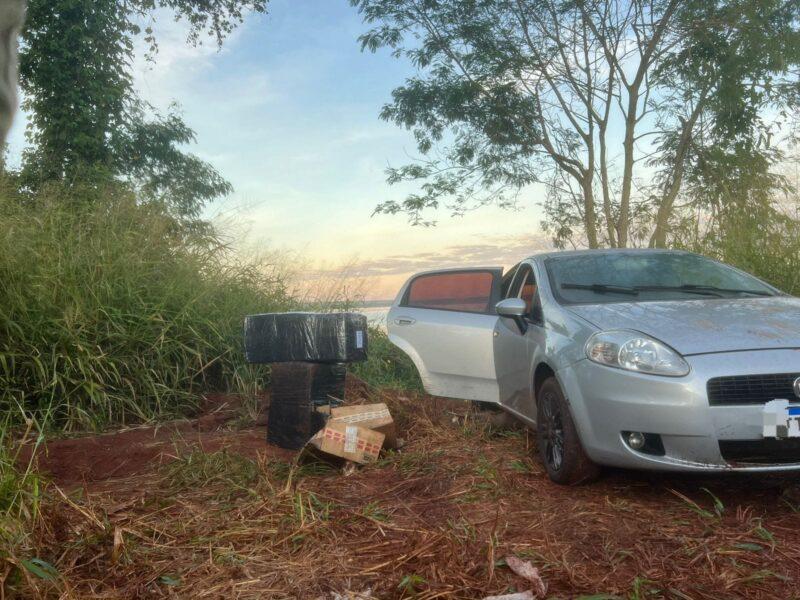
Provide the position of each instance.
(634, 351)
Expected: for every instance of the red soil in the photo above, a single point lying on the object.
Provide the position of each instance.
(92, 459)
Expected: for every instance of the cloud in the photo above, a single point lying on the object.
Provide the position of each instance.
(495, 250)
(380, 278)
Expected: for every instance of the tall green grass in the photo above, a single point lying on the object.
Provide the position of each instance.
(20, 486)
(111, 311)
(21, 492)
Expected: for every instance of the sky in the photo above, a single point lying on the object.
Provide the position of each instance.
(288, 111)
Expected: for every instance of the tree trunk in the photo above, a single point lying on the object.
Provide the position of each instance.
(589, 216)
(627, 173)
(659, 237)
(607, 212)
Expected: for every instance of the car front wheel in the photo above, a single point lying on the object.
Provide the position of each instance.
(560, 447)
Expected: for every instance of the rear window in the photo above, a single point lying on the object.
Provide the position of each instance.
(466, 292)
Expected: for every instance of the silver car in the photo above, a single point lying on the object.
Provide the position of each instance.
(647, 359)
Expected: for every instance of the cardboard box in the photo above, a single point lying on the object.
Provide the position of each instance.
(348, 441)
(369, 416)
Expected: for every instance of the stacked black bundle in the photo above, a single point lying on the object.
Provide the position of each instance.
(328, 385)
(307, 337)
(296, 388)
(310, 351)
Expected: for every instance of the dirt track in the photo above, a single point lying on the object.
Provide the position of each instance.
(432, 521)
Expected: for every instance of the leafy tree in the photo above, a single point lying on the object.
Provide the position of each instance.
(620, 107)
(741, 58)
(88, 123)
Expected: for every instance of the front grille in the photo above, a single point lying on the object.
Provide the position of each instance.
(760, 452)
(751, 389)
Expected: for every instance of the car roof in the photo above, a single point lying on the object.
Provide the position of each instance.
(552, 254)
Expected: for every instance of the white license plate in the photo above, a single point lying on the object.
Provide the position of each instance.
(781, 419)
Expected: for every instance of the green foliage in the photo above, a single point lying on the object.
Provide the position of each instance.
(113, 311)
(744, 48)
(770, 250)
(149, 153)
(387, 366)
(73, 72)
(216, 18)
(373, 511)
(742, 73)
(21, 493)
(87, 123)
(762, 238)
(411, 584)
(21, 490)
(588, 98)
(40, 568)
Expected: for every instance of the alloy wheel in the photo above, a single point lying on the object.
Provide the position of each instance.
(553, 432)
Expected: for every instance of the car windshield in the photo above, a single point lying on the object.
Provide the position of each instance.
(607, 277)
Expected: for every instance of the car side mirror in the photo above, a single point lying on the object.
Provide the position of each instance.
(514, 308)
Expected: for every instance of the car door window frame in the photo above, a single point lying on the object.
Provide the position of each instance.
(515, 291)
(513, 288)
(509, 277)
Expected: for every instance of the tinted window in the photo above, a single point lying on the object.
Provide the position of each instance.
(469, 291)
(644, 276)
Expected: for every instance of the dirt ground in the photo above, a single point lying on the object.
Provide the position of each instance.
(206, 509)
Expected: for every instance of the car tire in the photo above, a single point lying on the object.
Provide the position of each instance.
(560, 448)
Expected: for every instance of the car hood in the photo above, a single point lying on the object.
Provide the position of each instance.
(707, 325)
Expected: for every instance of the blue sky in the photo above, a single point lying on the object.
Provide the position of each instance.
(288, 112)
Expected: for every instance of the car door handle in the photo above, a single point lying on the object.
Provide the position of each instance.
(404, 321)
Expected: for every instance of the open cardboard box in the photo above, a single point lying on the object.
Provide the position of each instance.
(356, 433)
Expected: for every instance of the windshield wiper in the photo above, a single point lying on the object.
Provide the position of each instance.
(601, 288)
(709, 290)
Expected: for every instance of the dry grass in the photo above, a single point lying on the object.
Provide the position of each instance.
(434, 520)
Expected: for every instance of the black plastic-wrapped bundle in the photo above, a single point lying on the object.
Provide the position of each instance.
(297, 389)
(328, 385)
(310, 337)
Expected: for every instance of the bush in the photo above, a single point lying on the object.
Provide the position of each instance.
(766, 244)
(771, 251)
(111, 311)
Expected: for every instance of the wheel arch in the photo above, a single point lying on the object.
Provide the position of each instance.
(541, 374)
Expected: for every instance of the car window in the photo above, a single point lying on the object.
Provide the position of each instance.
(464, 291)
(605, 277)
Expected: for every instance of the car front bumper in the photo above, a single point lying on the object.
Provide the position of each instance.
(607, 401)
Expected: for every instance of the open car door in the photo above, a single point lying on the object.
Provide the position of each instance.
(445, 321)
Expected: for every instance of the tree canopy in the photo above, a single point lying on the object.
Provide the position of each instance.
(628, 111)
(88, 123)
